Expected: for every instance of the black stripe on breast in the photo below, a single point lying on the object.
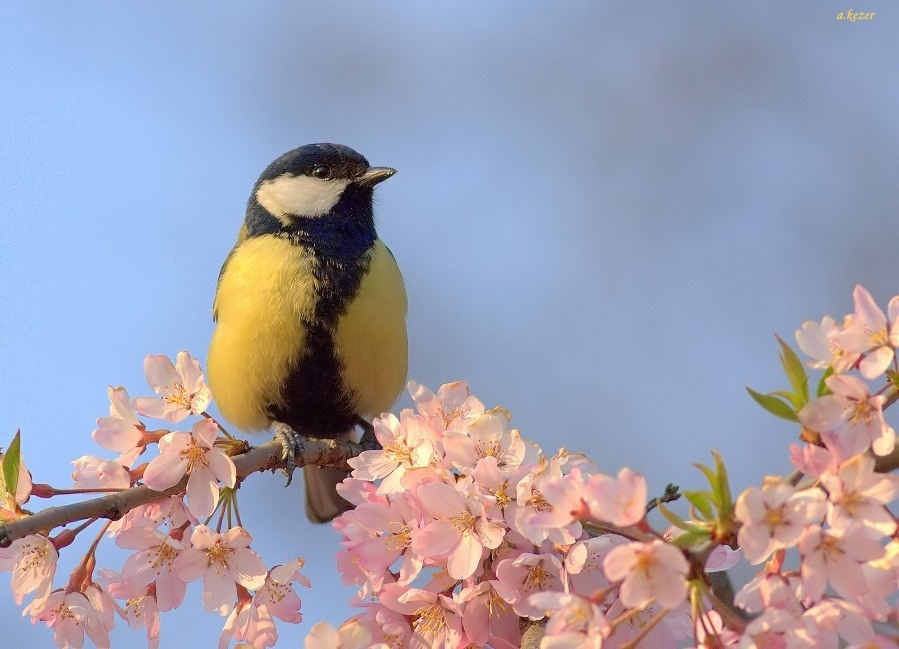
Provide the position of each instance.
(315, 402)
(341, 242)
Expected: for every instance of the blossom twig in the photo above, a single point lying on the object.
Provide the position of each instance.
(322, 452)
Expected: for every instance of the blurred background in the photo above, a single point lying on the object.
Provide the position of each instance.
(604, 212)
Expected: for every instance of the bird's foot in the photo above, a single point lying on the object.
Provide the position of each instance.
(292, 444)
(368, 441)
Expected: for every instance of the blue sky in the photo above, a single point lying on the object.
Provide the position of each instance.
(603, 211)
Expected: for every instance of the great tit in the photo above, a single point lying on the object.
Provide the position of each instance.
(310, 310)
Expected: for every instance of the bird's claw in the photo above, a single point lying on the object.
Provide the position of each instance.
(292, 445)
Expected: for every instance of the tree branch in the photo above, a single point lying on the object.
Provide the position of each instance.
(267, 457)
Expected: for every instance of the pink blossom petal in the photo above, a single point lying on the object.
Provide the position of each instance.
(490, 533)
(219, 592)
(170, 590)
(222, 467)
(202, 493)
(437, 538)
(248, 569)
(868, 313)
(441, 499)
(204, 538)
(139, 537)
(160, 372)
(116, 434)
(191, 564)
(236, 537)
(165, 471)
(120, 406)
(464, 560)
(205, 432)
(876, 362)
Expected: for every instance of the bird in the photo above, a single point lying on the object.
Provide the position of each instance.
(310, 312)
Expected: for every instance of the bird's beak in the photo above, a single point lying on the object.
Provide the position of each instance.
(374, 175)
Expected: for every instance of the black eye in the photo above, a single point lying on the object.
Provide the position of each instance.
(321, 171)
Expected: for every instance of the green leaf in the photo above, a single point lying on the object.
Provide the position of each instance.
(725, 495)
(708, 473)
(789, 398)
(10, 469)
(822, 386)
(774, 405)
(690, 539)
(678, 522)
(794, 370)
(701, 501)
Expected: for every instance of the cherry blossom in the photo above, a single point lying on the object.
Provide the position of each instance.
(859, 496)
(583, 563)
(452, 408)
(529, 573)
(460, 531)
(832, 619)
(822, 343)
(722, 558)
(574, 621)
(487, 616)
(277, 595)
(153, 563)
(772, 629)
(121, 431)
(620, 501)
(249, 623)
(649, 572)
(565, 499)
(223, 561)
(849, 420)
(377, 534)
(350, 635)
(872, 333)
(835, 557)
(811, 459)
(487, 436)
(462, 527)
(384, 625)
(770, 590)
(652, 626)
(140, 611)
(775, 517)
(181, 388)
(32, 560)
(93, 472)
(169, 511)
(70, 615)
(436, 618)
(193, 453)
(535, 517)
(408, 443)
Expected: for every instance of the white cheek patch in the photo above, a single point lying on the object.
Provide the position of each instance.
(300, 195)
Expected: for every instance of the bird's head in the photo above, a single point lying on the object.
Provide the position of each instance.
(311, 180)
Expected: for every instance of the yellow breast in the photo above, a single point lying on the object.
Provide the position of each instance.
(265, 290)
(370, 337)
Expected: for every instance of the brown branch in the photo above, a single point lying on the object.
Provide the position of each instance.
(887, 463)
(321, 452)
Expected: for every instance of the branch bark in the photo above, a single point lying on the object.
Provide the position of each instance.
(266, 457)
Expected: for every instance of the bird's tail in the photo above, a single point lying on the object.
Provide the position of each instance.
(323, 503)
